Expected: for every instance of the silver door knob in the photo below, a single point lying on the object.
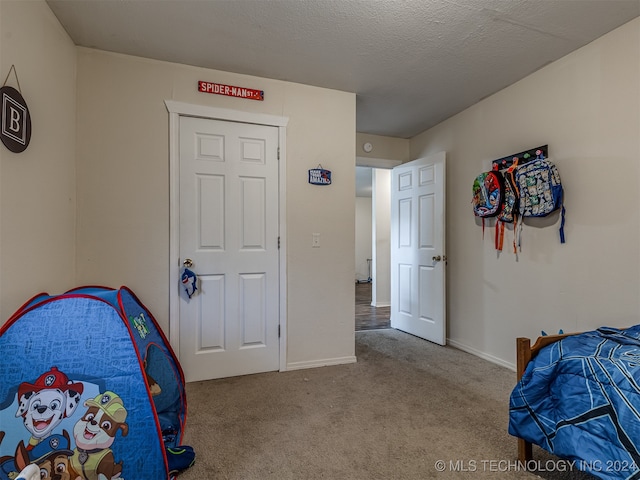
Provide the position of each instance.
(437, 258)
(188, 263)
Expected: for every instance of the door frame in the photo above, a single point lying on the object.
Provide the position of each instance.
(176, 110)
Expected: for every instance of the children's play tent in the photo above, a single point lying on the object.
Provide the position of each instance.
(88, 384)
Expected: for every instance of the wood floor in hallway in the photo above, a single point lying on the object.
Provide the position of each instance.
(368, 317)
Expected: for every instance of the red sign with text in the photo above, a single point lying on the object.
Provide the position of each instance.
(230, 90)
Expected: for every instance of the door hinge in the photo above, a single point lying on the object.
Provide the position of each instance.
(278, 331)
(278, 153)
(278, 243)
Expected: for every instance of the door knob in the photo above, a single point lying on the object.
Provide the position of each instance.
(437, 258)
(188, 263)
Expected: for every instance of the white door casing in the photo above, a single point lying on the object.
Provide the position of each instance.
(230, 327)
(418, 260)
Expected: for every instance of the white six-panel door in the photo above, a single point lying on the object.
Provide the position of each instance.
(418, 248)
(229, 230)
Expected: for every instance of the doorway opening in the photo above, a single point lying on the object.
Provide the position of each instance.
(415, 243)
(372, 282)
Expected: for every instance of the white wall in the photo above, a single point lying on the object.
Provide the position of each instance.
(123, 190)
(586, 107)
(37, 186)
(363, 237)
(389, 148)
(381, 289)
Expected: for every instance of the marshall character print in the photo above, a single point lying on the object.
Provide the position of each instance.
(46, 402)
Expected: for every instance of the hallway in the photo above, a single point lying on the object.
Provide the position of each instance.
(368, 317)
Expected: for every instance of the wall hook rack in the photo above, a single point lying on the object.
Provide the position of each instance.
(523, 157)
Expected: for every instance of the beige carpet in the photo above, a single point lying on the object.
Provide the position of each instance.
(408, 409)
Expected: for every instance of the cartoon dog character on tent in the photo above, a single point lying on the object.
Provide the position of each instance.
(50, 458)
(46, 402)
(94, 433)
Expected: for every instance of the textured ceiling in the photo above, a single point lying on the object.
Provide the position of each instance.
(412, 63)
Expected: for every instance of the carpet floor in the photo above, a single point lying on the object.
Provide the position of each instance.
(408, 409)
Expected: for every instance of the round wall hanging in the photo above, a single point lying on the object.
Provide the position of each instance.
(15, 120)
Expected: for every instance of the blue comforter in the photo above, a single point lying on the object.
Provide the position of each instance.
(579, 399)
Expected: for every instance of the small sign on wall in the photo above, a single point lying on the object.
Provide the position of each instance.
(319, 176)
(15, 120)
(230, 90)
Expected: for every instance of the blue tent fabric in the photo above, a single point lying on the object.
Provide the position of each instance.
(579, 398)
(103, 344)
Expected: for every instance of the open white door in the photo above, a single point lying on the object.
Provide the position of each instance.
(418, 248)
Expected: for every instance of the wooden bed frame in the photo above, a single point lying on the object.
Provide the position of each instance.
(525, 352)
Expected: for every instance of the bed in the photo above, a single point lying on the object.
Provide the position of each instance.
(578, 397)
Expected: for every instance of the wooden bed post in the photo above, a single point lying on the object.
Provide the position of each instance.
(523, 347)
(523, 355)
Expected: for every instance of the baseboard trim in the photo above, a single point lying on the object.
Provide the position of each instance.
(483, 355)
(381, 304)
(321, 363)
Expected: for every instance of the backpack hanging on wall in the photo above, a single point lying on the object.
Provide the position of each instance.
(540, 190)
(510, 207)
(488, 195)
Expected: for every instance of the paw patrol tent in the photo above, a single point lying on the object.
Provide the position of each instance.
(89, 388)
